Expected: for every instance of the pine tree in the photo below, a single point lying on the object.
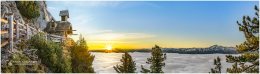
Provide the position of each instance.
(156, 61)
(249, 60)
(144, 70)
(127, 66)
(234, 69)
(81, 58)
(217, 63)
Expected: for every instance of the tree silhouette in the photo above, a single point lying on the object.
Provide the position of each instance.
(127, 66)
(217, 63)
(249, 60)
(156, 61)
(81, 58)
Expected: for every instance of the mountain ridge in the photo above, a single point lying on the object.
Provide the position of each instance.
(208, 50)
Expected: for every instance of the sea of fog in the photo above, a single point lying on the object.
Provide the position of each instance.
(175, 63)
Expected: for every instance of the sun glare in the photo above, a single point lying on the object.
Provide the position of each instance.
(109, 47)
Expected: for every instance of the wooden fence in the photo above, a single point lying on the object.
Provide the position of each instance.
(12, 31)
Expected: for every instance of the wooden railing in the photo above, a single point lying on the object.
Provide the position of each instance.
(12, 31)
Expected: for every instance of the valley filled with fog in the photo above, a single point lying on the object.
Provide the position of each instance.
(175, 63)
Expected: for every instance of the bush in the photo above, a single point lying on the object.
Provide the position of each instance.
(50, 54)
(22, 61)
(16, 65)
(28, 9)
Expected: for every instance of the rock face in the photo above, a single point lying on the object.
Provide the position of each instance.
(38, 23)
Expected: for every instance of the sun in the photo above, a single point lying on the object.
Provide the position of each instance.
(109, 47)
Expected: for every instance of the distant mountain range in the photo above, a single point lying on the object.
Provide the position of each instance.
(210, 50)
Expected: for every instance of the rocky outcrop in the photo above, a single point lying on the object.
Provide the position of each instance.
(38, 23)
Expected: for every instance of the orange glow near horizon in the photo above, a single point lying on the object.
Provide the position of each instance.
(137, 41)
(103, 46)
(109, 47)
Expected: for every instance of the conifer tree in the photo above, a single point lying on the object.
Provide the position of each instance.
(81, 58)
(249, 60)
(143, 70)
(127, 66)
(156, 61)
(217, 63)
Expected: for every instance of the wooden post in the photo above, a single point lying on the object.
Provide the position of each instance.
(17, 30)
(46, 36)
(61, 40)
(32, 32)
(27, 31)
(11, 32)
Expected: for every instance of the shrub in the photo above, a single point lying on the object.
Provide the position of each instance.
(28, 9)
(50, 53)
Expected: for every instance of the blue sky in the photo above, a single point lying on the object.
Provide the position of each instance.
(141, 24)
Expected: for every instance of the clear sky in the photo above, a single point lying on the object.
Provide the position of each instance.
(143, 24)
